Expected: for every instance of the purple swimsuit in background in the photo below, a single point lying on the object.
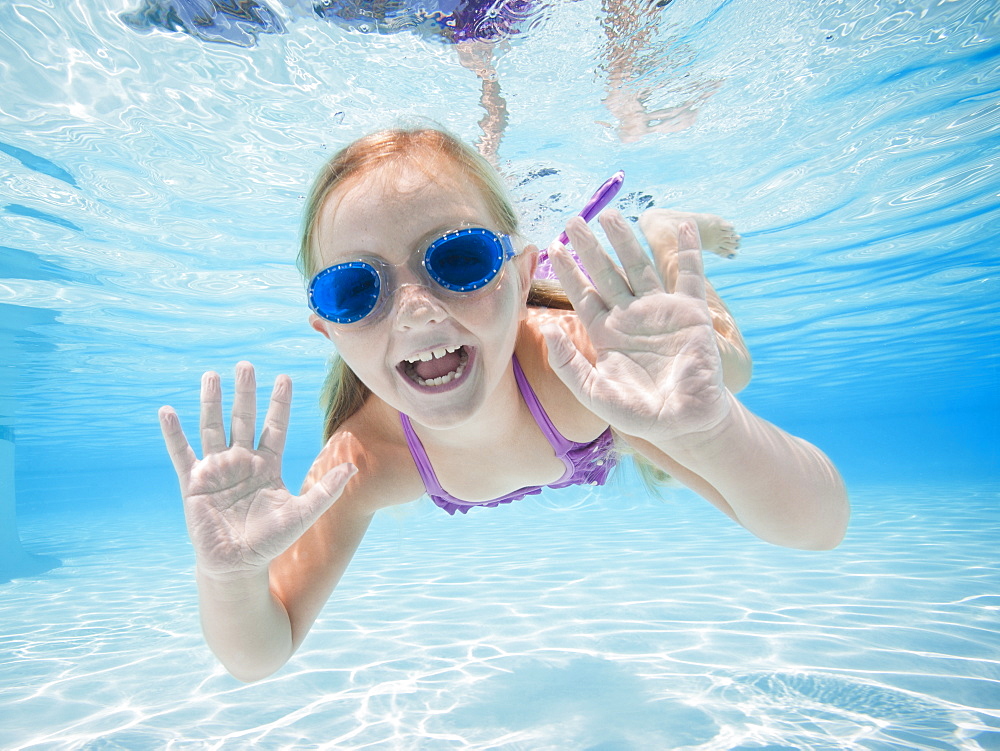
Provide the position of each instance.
(450, 21)
(586, 463)
(240, 22)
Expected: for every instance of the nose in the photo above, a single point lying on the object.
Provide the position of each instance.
(416, 305)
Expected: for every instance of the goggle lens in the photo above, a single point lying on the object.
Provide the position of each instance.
(345, 293)
(465, 260)
(461, 261)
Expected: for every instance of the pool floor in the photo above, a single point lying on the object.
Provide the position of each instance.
(559, 623)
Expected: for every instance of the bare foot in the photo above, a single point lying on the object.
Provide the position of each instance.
(717, 235)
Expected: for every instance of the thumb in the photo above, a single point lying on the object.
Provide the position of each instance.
(314, 502)
(568, 362)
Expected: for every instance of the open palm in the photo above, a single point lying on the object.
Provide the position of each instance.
(239, 514)
(658, 372)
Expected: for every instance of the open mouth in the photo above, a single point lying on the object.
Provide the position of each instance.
(437, 367)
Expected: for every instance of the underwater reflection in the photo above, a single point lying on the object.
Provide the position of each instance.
(637, 66)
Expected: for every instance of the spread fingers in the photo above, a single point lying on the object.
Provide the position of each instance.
(609, 281)
(638, 266)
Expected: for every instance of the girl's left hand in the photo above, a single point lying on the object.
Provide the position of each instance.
(658, 372)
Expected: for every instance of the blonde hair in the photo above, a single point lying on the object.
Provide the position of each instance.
(343, 393)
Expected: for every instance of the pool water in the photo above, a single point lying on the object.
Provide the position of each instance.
(622, 629)
(152, 183)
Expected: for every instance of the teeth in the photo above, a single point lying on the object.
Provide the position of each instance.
(441, 380)
(432, 355)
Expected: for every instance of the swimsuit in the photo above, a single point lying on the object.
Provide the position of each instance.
(586, 463)
(225, 21)
(450, 21)
(240, 21)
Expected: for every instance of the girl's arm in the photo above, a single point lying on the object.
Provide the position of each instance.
(759, 511)
(654, 372)
(304, 576)
(781, 488)
(253, 540)
(254, 625)
(254, 628)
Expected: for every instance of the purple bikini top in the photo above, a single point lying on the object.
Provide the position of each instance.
(586, 463)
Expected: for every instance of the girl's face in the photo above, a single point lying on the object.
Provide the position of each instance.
(434, 356)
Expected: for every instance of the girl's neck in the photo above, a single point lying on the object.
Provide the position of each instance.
(501, 415)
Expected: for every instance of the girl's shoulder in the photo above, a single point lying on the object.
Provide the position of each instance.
(571, 418)
(375, 444)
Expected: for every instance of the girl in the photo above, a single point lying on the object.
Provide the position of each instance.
(447, 351)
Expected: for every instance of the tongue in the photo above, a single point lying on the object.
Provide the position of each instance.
(439, 366)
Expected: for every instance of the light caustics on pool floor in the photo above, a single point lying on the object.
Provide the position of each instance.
(534, 627)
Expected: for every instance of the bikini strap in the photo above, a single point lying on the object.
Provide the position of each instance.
(419, 454)
(559, 443)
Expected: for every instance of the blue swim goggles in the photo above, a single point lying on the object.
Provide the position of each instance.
(460, 261)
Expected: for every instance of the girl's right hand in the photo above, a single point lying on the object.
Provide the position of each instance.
(240, 515)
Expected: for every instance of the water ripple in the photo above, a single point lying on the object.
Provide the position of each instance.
(623, 629)
(853, 145)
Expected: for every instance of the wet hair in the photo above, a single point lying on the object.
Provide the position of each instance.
(429, 150)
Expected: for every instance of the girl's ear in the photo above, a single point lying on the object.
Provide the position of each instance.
(319, 324)
(527, 262)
